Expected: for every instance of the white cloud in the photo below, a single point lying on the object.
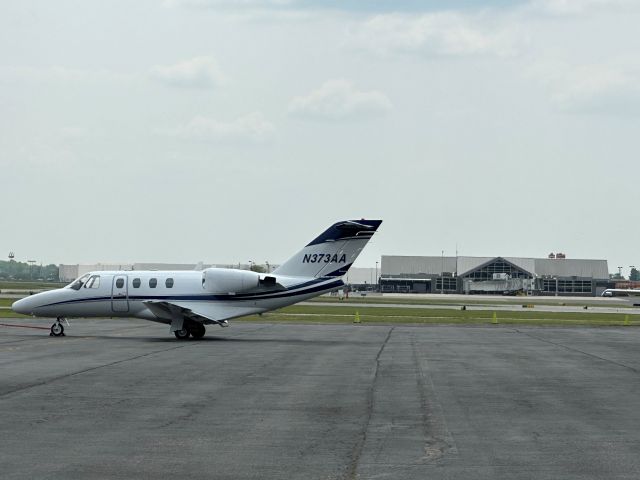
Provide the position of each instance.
(250, 128)
(575, 7)
(596, 88)
(339, 99)
(199, 72)
(442, 33)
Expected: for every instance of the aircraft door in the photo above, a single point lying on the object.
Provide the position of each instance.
(120, 294)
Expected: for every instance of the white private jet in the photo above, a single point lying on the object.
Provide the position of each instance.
(189, 300)
(630, 295)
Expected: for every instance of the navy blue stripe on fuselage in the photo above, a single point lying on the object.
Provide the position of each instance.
(297, 290)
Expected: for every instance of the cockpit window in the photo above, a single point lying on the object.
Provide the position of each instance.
(77, 284)
(93, 282)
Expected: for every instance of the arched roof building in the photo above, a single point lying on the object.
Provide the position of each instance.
(545, 276)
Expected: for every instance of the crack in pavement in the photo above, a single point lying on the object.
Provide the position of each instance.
(79, 372)
(438, 438)
(357, 451)
(110, 364)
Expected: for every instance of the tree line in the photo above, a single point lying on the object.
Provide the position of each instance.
(634, 275)
(13, 270)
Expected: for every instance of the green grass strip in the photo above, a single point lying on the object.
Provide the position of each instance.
(13, 285)
(470, 300)
(8, 313)
(346, 314)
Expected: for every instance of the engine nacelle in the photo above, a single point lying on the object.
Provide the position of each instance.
(226, 280)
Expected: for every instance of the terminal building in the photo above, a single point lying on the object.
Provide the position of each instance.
(555, 275)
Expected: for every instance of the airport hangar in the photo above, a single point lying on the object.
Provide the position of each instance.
(555, 275)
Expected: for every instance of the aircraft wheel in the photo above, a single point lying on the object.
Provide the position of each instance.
(57, 330)
(198, 331)
(182, 334)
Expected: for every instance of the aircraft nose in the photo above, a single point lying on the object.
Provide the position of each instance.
(22, 306)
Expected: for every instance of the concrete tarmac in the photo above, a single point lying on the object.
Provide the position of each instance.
(122, 399)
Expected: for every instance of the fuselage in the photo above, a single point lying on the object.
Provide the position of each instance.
(128, 293)
(631, 295)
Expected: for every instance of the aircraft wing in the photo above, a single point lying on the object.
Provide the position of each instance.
(198, 311)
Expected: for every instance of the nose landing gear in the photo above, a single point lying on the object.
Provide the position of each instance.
(57, 329)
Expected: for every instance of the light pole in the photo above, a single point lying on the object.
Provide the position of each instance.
(377, 279)
(266, 262)
(620, 273)
(442, 275)
(251, 265)
(631, 269)
(31, 263)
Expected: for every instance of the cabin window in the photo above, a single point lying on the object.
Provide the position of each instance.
(77, 284)
(153, 282)
(169, 282)
(136, 283)
(120, 283)
(93, 282)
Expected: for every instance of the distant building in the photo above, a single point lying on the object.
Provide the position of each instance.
(362, 278)
(555, 275)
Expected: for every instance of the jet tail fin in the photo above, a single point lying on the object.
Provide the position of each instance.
(332, 252)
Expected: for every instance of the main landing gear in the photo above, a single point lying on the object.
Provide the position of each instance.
(194, 329)
(57, 329)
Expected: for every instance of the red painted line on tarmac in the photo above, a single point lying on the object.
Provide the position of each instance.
(22, 326)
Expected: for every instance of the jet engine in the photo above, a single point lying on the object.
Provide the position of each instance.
(226, 280)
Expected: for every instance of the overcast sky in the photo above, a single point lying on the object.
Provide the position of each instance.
(228, 131)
